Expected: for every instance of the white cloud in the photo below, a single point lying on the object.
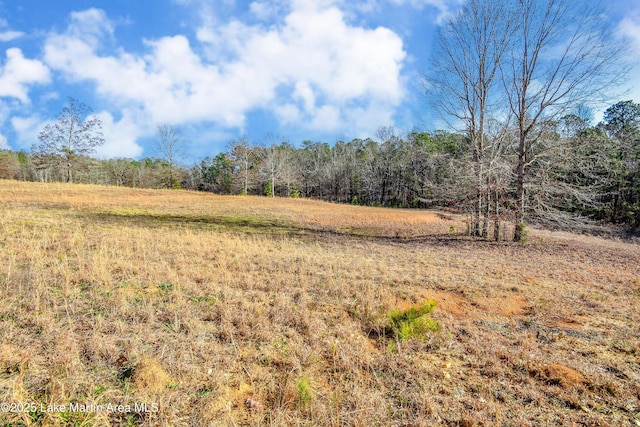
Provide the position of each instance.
(171, 83)
(4, 112)
(445, 8)
(305, 93)
(18, 73)
(629, 27)
(7, 36)
(27, 129)
(326, 117)
(288, 113)
(327, 63)
(4, 115)
(325, 66)
(120, 136)
(264, 10)
(90, 25)
(629, 31)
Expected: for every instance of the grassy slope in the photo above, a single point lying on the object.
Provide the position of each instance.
(242, 310)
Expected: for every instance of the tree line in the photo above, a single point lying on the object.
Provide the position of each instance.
(580, 172)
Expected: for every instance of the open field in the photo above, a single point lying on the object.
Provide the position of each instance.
(254, 311)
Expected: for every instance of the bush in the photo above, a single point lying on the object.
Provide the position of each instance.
(268, 190)
(304, 392)
(413, 321)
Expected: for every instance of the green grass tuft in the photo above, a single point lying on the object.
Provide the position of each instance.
(413, 322)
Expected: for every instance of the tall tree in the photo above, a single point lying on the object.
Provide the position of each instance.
(277, 165)
(469, 51)
(119, 171)
(549, 56)
(215, 174)
(243, 157)
(622, 124)
(562, 56)
(74, 134)
(170, 145)
(314, 158)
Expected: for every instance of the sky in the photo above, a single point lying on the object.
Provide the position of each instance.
(218, 70)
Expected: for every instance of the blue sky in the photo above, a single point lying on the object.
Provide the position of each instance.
(323, 70)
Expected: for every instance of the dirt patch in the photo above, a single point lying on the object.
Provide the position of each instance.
(451, 303)
(575, 322)
(506, 305)
(448, 302)
(560, 375)
(242, 397)
(461, 306)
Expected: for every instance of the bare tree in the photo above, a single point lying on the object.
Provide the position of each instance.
(469, 51)
(562, 56)
(388, 151)
(242, 155)
(119, 171)
(74, 134)
(498, 175)
(276, 164)
(314, 158)
(550, 56)
(276, 167)
(170, 145)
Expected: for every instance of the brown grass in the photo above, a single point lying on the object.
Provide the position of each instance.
(258, 311)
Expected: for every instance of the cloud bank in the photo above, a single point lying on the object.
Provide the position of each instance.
(18, 73)
(313, 69)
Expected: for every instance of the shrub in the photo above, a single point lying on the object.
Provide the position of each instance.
(304, 392)
(268, 190)
(413, 321)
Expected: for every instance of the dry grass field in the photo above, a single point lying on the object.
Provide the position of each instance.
(223, 311)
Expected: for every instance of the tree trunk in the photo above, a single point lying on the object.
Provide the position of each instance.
(69, 178)
(496, 223)
(246, 177)
(518, 235)
(485, 219)
(476, 214)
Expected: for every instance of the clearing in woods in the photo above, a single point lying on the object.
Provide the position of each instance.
(220, 310)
